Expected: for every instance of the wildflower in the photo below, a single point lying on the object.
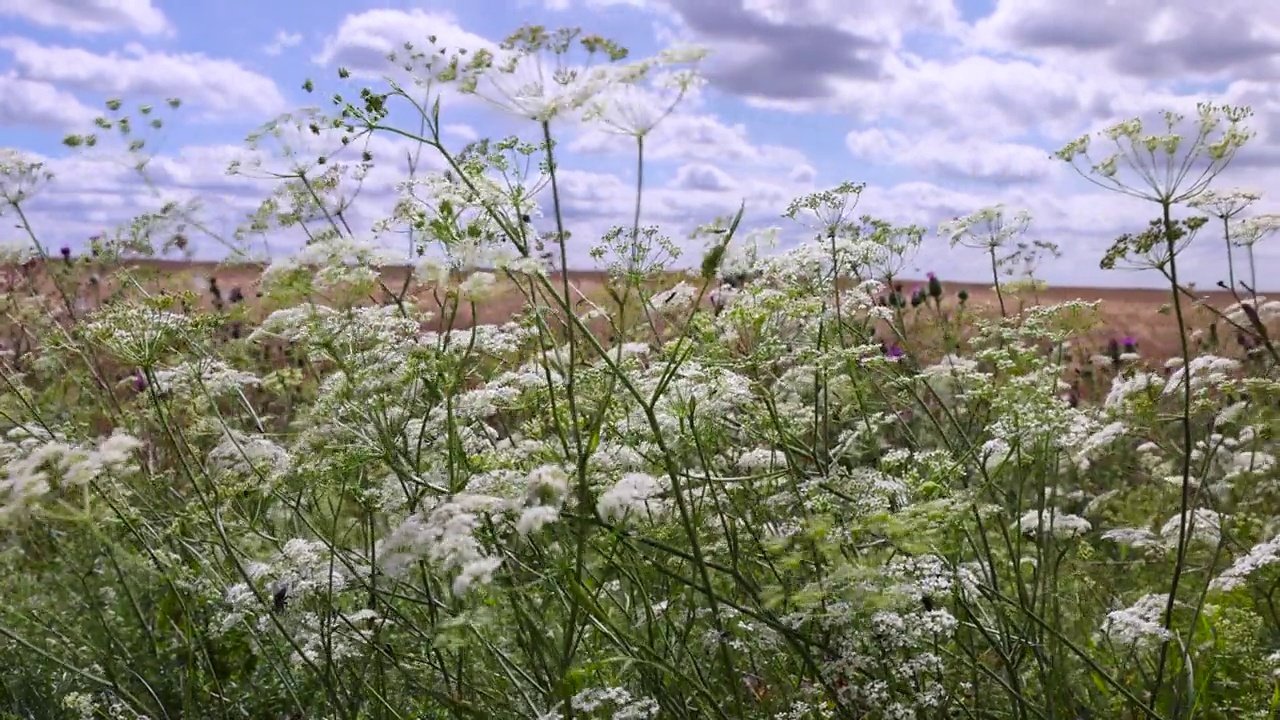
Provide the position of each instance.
(628, 107)
(526, 84)
(430, 271)
(1204, 525)
(1249, 231)
(1261, 555)
(1224, 204)
(633, 493)
(1056, 524)
(444, 535)
(1134, 537)
(478, 287)
(1138, 623)
(935, 286)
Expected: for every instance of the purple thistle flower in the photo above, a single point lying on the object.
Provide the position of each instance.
(935, 286)
(893, 352)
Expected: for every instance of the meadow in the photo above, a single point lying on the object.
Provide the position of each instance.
(784, 484)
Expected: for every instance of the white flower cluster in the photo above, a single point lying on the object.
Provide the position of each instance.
(37, 464)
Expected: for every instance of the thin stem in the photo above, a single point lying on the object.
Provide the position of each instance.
(1185, 421)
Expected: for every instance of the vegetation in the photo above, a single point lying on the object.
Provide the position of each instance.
(783, 488)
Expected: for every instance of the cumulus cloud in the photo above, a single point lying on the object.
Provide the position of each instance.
(221, 86)
(363, 40)
(36, 104)
(967, 159)
(281, 42)
(799, 50)
(690, 136)
(1164, 39)
(90, 16)
(701, 176)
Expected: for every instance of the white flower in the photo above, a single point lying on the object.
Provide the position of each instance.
(1224, 203)
(634, 492)
(1205, 525)
(677, 298)
(14, 253)
(1138, 623)
(431, 271)
(478, 287)
(527, 85)
(1134, 537)
(1260, 556)
(631, 106)
(1059, 525)
(203, 377)
(534, 518)
(1252, 230)
(444, 535)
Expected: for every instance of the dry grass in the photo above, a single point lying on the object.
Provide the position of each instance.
(1132, 312)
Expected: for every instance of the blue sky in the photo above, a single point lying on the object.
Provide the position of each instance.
(940, 106)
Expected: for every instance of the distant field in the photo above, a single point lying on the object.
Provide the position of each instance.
(1126, 312)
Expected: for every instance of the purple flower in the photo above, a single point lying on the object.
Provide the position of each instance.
(935, 286)
(139, 381)
(893, 352)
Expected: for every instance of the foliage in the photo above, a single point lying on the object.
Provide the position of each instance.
(781, 488)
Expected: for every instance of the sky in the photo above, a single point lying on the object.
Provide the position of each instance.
(941, 107)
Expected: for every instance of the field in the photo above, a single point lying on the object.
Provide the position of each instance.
(1139, 313)
(784, 486)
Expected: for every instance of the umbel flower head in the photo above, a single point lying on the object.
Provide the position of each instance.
(1252, 230)
(1170, 166)
(641, 95)
(1224, 204)
(534, 76)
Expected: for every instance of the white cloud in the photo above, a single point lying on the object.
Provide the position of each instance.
(363, 41)
(90, 16)
(702, 176)
(1164, 39)
(281, 42)
(685, 136)
(465, 133)
(972, 158)
(220, 86)
(36, 104)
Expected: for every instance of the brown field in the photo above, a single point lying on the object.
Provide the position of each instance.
(1133, 312)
